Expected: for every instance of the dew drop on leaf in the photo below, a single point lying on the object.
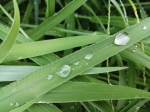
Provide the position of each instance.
(76, 63)
(88, 56)
(49, 77)
(121, 39)
(145, 27)
(16, 104)
(11, 104)
(64, 71)
(137, 108)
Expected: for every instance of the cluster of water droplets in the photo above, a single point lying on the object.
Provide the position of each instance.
(65, 70)
(137, 108)
(135, 49)
(16, 104)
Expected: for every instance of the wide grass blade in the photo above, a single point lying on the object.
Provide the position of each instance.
(71, 92)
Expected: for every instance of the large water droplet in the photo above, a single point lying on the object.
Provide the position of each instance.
(64, 71)
(145, 27)
(49, 77)
(121, 39)
(89, 56)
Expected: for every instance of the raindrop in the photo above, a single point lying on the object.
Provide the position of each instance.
(20, 58)
(137, 108)
(86, 63)
(11, 104)
(134, 50)
(64, 71)
(49, 77)
(145, 27)
(88, 56)
(76, 63)
(121, 39)
(16, 104)
(76, 15)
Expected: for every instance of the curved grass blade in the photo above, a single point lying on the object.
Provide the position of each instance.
(12, 35)
(36, 83)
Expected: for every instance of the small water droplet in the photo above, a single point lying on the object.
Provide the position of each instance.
(137, 108)
(11, 104)
(145, 27)
(121, 39)
(76, 63)
(16, 104)
(88, 56)
(134, 50)
(64, 71)
(20, 58)
(86, 63)
(76, 15)
(49, 77)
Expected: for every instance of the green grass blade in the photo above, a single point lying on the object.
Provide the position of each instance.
(71, 92)
(12, 35)
(54, 20)
(50, 9)
(136, 107)
(32, 49)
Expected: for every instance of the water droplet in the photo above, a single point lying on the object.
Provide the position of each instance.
(134, 50)
(16, 104)
(145, 27)
(88, 56)
(121, 39)
(64, 71)
(49, 77)
(76, 15)
(11, 104)
(20, 58)
(76, 63)
(137, 108)
(86, 63)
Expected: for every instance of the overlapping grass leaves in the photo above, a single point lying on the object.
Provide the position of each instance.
(36, 83)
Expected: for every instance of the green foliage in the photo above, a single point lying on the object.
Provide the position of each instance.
(74, 39)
